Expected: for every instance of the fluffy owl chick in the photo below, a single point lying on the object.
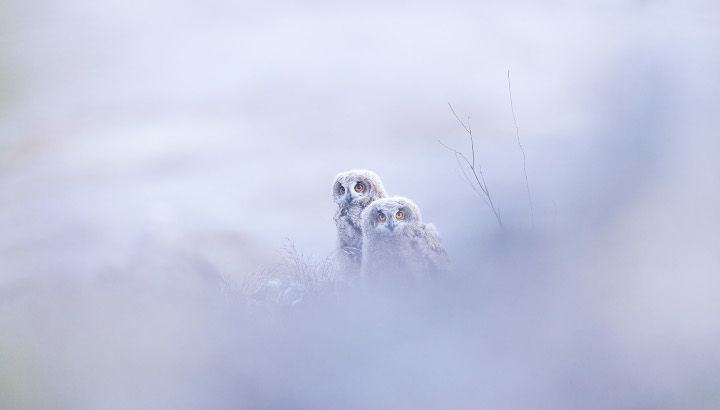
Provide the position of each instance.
(397, 243)
(352, 191)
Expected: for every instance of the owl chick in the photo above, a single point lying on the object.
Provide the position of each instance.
(397, 243)
(352, 191)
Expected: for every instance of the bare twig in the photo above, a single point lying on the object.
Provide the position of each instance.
(459, 120)
(468, 181)
(476, 169)
(517, 134)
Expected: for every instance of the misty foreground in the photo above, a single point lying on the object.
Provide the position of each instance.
(551, 320)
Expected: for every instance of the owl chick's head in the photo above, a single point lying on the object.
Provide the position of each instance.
(357, 187)
(390, 216)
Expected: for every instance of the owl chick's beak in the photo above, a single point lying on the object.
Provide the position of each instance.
(348, 198)
(392, 225)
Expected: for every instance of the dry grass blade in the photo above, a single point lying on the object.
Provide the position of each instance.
(292, 280)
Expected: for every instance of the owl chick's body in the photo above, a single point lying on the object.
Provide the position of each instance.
(396, 243)
(352, 191)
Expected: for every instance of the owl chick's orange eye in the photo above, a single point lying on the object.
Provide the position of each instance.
(381, 217)
(358, 188)
(342, 190)
(399, 215)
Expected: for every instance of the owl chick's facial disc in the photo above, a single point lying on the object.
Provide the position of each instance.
(357, 185)
(388, 214)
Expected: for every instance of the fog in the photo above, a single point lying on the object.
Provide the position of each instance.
(156, 157)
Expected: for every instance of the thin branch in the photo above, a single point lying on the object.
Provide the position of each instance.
(482, 184)
(458, 153)
(472, 143)
(468, 129)
(517, 134)
(480, 180)
(458, 118)
(467, 180)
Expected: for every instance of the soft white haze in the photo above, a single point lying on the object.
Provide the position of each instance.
(148, 149)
